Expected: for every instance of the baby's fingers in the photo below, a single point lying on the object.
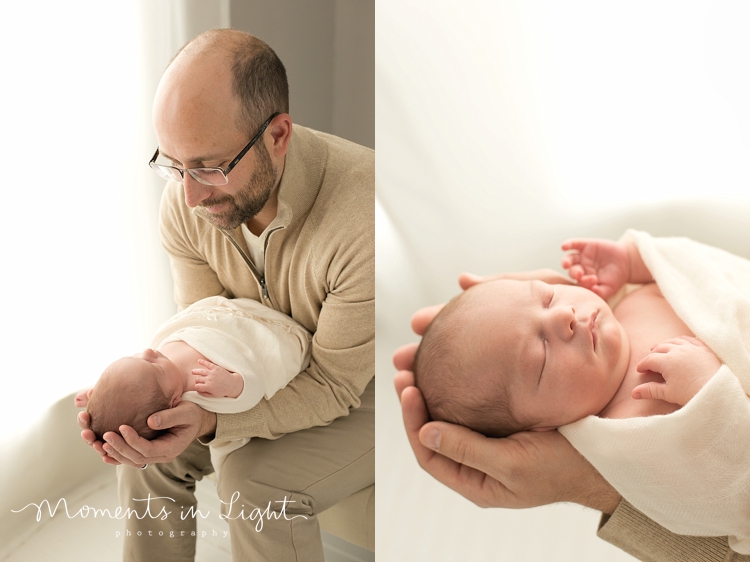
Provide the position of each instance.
(202, 389)
(652, 362)
(690, 339)
(200, 372)
(588, 281)
(576, 272)
(571, 259)
(650, 390)
(577, 244)
(207, 364)
(203, 385)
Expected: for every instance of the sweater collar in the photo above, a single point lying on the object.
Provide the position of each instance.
(303, 173)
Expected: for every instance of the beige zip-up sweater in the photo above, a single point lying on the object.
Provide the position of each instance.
(319, 269)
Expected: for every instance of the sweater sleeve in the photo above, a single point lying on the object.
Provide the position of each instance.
(193, 277)
(325, 391)
(631, 531)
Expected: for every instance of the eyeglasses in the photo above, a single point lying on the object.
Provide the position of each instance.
(206, 176)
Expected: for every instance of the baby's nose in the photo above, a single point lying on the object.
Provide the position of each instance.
(566, 321)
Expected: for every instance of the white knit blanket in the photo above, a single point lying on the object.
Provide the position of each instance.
(689, 470)
(265, 346)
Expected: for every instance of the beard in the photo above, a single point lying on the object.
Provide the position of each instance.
(250, 199)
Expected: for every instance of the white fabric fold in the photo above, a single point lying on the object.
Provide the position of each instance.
(690, 470)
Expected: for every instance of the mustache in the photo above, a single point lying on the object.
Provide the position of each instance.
(215, 201)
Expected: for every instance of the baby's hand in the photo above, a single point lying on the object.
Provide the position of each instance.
(599, 265)
(686, 365)
(216, 381)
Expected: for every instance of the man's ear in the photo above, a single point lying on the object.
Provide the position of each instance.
(281, 133)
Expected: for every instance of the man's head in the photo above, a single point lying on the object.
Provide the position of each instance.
(507, 356)
(212, 100)
(130, 390)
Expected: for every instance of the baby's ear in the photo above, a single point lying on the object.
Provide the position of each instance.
(89, 393)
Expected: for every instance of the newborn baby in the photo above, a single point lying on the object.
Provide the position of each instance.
(506, 356)
(664, 418)
(133, 388)
(223, 354)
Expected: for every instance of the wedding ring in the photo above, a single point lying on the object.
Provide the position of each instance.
(144, 467)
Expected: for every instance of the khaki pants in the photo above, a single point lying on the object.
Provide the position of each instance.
(302, 473)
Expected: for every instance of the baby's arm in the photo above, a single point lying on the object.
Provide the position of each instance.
(686, 365)
(216, 381)
(604, 266)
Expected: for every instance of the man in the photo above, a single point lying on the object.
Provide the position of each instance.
(530, 469)
(261, 209)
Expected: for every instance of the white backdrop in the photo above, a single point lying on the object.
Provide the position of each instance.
(69, 102)
(504, 127)
(85, 280)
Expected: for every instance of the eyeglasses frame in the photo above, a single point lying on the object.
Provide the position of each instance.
(225, 171)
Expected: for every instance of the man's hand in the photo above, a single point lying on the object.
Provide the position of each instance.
(602, 266)
(523, 470)
(216, 381)
(686, 365)
(184, 423)
(526, 469)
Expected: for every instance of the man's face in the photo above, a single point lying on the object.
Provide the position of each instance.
(560, 345)
(228, 207)
(250, 185)
(197, 124)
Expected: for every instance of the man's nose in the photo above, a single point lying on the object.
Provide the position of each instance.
(195, 191)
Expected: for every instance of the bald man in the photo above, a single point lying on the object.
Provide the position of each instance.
(259, 208)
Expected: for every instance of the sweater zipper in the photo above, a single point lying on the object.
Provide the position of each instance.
(260, 278)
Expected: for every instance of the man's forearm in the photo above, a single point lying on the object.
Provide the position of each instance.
(208, 425)
(592, 490)
(605, 501)
(308, 401)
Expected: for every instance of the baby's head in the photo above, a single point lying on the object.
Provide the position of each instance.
(507, 356)
(130, 390)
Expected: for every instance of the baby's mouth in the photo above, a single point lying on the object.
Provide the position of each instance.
(592, 328)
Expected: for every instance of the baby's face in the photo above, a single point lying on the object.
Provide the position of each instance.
(166, 374)
(561, 347)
